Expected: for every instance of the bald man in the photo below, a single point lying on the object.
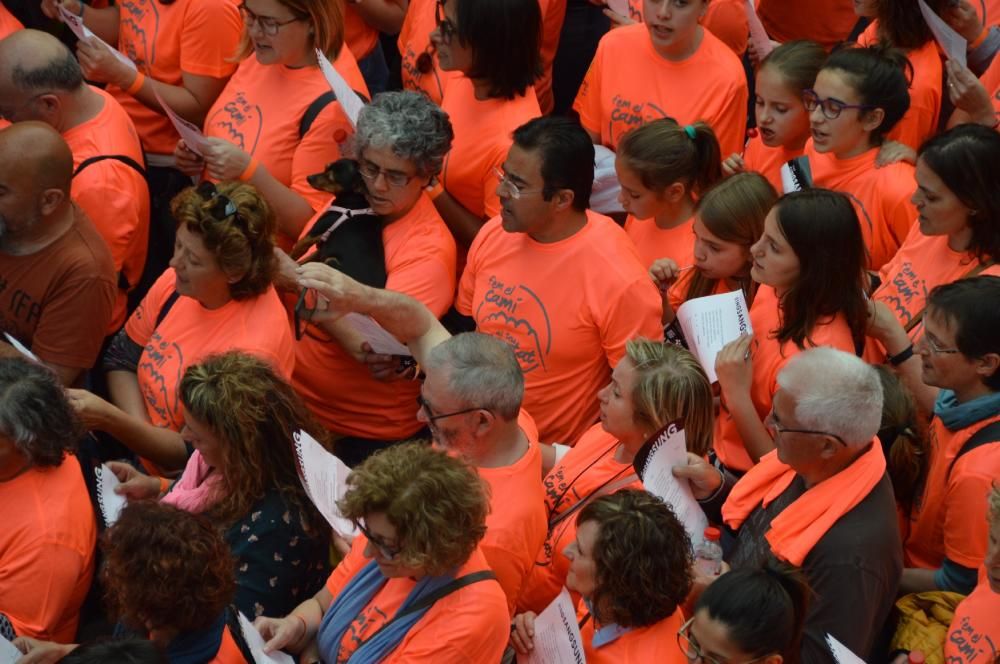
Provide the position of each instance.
(57, 279)
(41, 80)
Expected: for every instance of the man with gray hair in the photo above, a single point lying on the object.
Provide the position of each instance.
(821, 501)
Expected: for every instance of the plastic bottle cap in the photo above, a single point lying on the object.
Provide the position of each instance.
(712, 533)
(916, 657)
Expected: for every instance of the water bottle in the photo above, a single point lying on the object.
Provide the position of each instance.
(708, 554)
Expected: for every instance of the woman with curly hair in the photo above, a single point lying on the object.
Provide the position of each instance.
(216, 296)
(631, 564)
(48, 534)
(415, 586)
(240, 418)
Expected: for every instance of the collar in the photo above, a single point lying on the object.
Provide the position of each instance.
(955, 416)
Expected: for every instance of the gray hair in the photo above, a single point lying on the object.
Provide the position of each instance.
(836, 392)
(483, 372)
(409, 124)
(34, 412)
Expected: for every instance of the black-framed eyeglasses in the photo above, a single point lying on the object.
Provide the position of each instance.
(445, 25)
(692, 649)
(370, 172)
(771, 421)
(832, 108)
(432, 418)
(269, 26)
(388, 552)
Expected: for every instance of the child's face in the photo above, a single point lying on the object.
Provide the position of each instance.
(717, 258)
(782, 119)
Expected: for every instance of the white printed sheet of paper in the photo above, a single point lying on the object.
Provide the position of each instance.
(710, 322)
(21, 348)
(8, 653)
(110, 502)
(194, 139)
(758, 35)
(841, 653)
(668, 448)
(256, 644)
(557, 636)
(81, 31)
(348, 98)
(953, 44)
(377, 337)
(324, 477)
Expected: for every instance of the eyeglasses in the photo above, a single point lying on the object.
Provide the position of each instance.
(771, 421)
(935, 347)
(832, 108)
(370, 172)
(692, 649)
(432, 418)
(512, 189)
(387, 551)
(269, 26)
(444, 24)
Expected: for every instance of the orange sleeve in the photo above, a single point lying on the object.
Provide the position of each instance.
(348, 567)
(731, 125)
(47, 579)
(142, 323)
(211, 33)
(588, 98)
(318, 148)
(636, 312)
(728, 21)
(491, 200)
(467, 284)
(900, 213)
(428, 277)
(116, 209)
(965, 509)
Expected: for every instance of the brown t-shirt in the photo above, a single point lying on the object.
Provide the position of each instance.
(59, 301)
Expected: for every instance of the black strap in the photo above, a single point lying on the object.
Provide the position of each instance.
(128, 161)
(859, 27)
(233, 623)
(167, 306)
(985, 436)
(315, 108)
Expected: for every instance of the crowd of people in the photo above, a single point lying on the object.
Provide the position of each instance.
(197, 238)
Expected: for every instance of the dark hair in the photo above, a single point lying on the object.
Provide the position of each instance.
(505, 37)
(642, 556)
(823, 230)
(119, 651)
(901, 24)
(967, 159)
(902, 437)
(970, 306)
(881, 77)
(662, 152)
(763, 609)
(798, 62)
(567, 156)
(62, 73)
(35, 413)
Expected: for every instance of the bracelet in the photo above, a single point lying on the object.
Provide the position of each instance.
(901, 356)
(249, 171)
(978, 41)
(436, 190)
(305, 628)
(137, 84)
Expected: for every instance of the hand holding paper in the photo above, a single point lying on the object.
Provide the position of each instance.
(324, 477)
(84, 33)
(557, 637)
(8, 653)
(709, 323)
(256, 644)
(110, 501)
(193, 138)
(952, 43)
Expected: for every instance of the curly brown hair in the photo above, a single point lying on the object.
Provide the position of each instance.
(255, 414)
(166, 569)
(35, 414)
(642, 556)
(437, 503)
(242, 243)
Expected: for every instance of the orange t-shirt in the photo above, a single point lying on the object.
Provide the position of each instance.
(640, 645)
(260, 111)
(769, 357)
(767, 161)
(339, 390)
(881, 197)
(727, 19)
(414, 39)
(359, 37)
(949, 519)
(553, 13)
(468, 625)
(113, 194)
(588, 470)
(677, 293)
(974, 634)
(483, 135)
(189, 332)
(8, 23)
(193, 36)
(629, 84)
(653, 242)
(517, 524)
(46, 550)
(566, 308)
(921, 120)
(991, 81)
(989, 13)
(823, 21)
(229, 651)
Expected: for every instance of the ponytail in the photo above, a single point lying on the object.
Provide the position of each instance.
(663, 152)
(902, 438)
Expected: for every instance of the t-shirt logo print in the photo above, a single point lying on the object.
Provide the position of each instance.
(239, 120)
(135, 43)
(161, 358)
(517, 315)
(627, 115)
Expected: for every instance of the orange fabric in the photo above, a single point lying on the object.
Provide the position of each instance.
(566, 308)
(260, 110)
(589, 468)
(769, 358)
(193, 36)
(991, 81)
(727, 19)
(823, 21)
(641, 645)
(190, 332)
(677, 293)
(517, 525)
(469, 625)
(483, 130)
(921, 120)
(974, 634)
(114, 195)
(768, 161)
(339, 390)
(797, 529)
(553, 13)
(992, 11)
(46, 550)
(360, 37)
(881, 197)
(229, 651)
(949, 519)
(653, 242)
(414, 39)
(8, 23)
(629, 84)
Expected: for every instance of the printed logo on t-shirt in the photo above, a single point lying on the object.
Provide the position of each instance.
(161, 359)
(22, 313)
(516, 315)
(136, 42)
(627, 114)
(907, 285)
(239, 121)
(972, 645)
(366, 621)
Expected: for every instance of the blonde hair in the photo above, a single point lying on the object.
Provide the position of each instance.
(326, 19)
